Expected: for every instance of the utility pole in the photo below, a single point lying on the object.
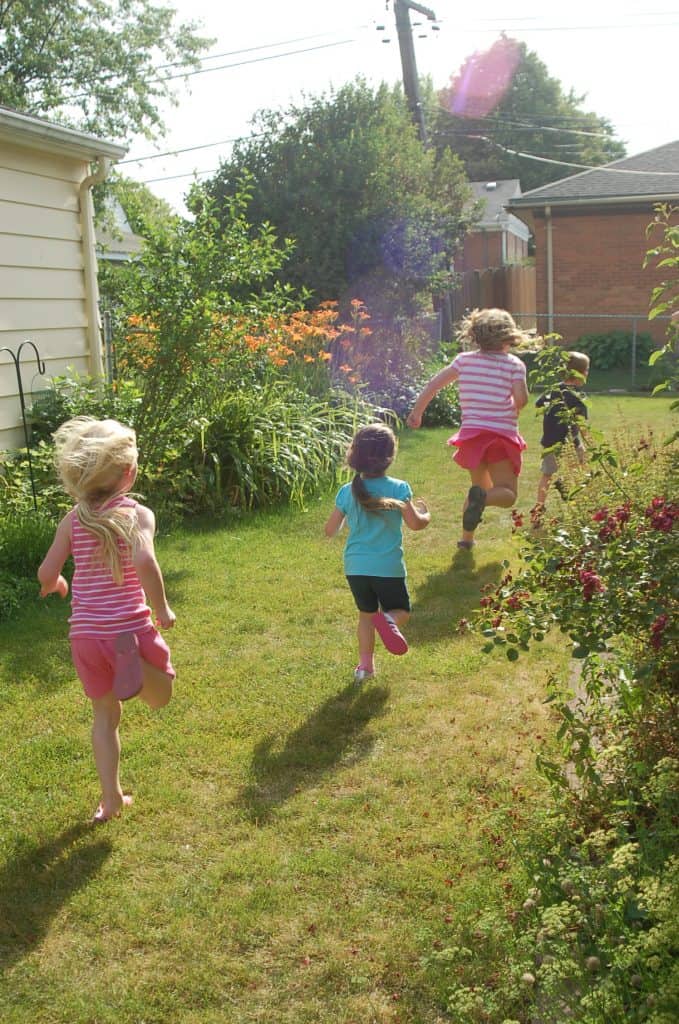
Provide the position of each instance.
(411, 85)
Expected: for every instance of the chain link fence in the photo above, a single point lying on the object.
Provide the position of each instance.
(619, 345)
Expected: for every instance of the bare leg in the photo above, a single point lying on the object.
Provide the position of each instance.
(505, 484)
(399, 615)
(543, 487)
(106, 746)
(366, 641)
(156, 689)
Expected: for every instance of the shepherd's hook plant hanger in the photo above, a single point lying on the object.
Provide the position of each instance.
(16, 359)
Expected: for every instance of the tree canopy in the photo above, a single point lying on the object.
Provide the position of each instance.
(102, 66)
(372, 213)
(505, 100)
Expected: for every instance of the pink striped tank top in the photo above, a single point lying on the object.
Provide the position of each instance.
(100, 607)
(485, 382)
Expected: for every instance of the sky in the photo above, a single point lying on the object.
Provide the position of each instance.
(269, 54)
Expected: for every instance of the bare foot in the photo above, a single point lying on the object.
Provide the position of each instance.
(104, 814)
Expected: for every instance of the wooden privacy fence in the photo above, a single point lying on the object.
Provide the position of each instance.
(511, 288)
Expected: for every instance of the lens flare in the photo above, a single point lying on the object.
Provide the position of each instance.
(484, 79)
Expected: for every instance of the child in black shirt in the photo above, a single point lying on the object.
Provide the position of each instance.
(563, 408)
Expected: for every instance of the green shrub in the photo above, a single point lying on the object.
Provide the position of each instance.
(78, 395)
(24, 540)
(613, 350)
(398, 396)
(264, 445)
(16, 496)
(596, 936)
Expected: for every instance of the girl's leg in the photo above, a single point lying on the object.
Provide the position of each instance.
(387, 625)
(543, 487)
(157, 675)
(480, 477)
(106, 746)
(505, 484)
(366, 641)
(399, 615)
(156, 688)
(499, 481)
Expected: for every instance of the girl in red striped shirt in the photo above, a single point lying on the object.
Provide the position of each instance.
(116, 649)
(492, 383)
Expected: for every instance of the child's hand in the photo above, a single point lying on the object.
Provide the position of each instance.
(421, 505)
(414, 419)
(165, 617)
(60, 587)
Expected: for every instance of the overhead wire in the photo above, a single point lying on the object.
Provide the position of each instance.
(584, 167)
(186, 149)
(254, 60)
(236, 64)
(262, 46)
(498, 124)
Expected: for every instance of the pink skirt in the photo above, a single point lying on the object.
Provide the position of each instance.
(477, 446)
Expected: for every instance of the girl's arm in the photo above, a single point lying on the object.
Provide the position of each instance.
(148, 570)
(416, 515)
(334, 522)
(438, 381)
(520, 394)
(49, 573)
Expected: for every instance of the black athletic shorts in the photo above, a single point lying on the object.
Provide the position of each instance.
(374, 592)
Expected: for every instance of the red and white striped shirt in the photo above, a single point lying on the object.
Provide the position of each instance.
(485, 381)
(100, 607)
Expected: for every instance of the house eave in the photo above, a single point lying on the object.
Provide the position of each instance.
(574, 201)
(22, 130)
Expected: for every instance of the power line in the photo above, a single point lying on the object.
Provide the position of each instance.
(174, 177)
(583, 167)
(499, 122)
(221, 67)
(506, 25)
(255, 60)
(263, 46)
(187, 149)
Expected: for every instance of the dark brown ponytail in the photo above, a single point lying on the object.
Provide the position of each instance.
(371, 453)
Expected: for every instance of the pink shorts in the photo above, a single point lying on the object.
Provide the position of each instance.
(94, 659)
(487, 447)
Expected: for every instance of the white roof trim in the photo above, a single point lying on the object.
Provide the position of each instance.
(38, 134)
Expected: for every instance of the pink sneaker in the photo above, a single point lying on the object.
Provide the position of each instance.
(127, 680)
(390, 635)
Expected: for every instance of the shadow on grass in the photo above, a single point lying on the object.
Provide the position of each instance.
(38, 881)
(176, 584)
(333, 733)
(446, 597)
(34, 647)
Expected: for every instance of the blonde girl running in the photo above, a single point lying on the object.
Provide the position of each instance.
(116, 649)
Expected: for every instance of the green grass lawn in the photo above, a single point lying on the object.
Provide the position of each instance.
(298, 848)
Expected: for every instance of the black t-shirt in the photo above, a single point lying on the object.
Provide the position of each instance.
(560, 404)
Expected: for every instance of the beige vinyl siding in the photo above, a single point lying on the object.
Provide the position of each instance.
(42, 286)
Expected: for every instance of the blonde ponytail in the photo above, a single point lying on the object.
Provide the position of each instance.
(92, 458)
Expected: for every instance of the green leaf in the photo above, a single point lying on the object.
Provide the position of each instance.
(512, 653)
(655, 356)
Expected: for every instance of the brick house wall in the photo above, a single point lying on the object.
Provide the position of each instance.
(598, 254)
(596, 222)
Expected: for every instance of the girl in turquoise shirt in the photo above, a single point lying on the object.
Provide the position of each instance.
(374, 507)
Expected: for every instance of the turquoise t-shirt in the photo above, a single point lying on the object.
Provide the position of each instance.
(375, 543)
